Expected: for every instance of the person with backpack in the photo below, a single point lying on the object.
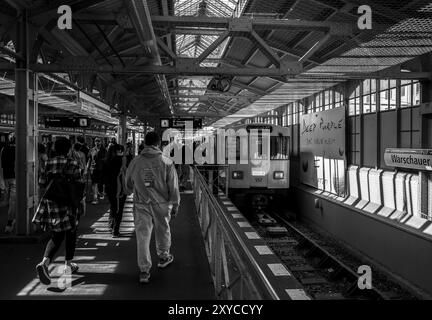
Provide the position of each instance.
(58, 216)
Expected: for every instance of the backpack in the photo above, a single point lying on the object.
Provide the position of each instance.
(65, 191)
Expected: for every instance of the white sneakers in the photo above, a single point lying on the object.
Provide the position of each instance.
(165, 261)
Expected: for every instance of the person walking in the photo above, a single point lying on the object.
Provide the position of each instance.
(84, 149)
(152, 179)
(129, 153)
(141, 147)
(61, 219)
(79, 156)
(97, 156)
(113, 172)
(8, 166)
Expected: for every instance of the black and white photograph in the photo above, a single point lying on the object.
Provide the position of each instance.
(215, 158)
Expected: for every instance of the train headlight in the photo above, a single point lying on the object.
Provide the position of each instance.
(238, 175)
(278, 175)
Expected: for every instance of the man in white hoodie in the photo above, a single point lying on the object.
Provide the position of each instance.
(153, 180)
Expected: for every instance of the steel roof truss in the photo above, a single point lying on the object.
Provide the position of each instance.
(266, 49)
(212, 47)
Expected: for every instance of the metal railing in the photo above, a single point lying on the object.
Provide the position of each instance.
(236, 274)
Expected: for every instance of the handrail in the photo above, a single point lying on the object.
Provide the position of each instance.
(236, 274)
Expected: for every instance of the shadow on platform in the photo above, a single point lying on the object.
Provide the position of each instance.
(108, 268)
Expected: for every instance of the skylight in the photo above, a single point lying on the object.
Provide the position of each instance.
(194, 41)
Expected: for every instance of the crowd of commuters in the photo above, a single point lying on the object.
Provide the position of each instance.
(66, 171)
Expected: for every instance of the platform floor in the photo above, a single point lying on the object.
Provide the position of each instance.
(108, 268)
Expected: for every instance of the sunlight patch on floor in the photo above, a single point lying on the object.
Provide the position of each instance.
(88, 247)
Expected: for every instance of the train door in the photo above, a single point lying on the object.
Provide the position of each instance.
(259, 160)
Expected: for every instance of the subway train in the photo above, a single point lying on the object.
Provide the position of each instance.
(258, 172)
(263, 181)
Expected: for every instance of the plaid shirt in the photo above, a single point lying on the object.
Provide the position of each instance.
(49, 213)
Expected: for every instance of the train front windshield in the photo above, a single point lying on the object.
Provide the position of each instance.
(279, 148)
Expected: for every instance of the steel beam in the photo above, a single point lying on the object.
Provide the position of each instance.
(184, 70)
(198, 32)
(115, 32)
(165, 48)
(343, 29)
(315, 47)
(140, 16)
(210, 96)
(249, 88)
(375, 75)
(108, 41)
(212, 47)
(208, 71)
(266, 49)
(186, 113)
(10, 52)
(190, 88)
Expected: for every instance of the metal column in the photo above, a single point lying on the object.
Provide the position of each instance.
(134, 139)
(26, 120)
(424, 194)
(425, 178)
(122, 130)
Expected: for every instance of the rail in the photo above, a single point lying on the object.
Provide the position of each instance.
(236, 274)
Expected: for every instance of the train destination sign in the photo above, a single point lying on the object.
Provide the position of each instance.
(259, 127)
(418, 159)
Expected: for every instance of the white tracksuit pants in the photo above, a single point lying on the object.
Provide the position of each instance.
(145, 216)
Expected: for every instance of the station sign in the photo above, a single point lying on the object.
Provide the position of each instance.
(180, 123)
(67, 122)
(417, 159)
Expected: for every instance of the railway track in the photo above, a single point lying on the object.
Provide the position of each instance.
(322, 267)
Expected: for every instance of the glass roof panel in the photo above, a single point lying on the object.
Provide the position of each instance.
(192, 45)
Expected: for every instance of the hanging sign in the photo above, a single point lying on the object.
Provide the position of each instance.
(67, 122)
(417, 159)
